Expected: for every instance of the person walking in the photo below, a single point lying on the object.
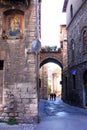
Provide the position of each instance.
(51, 96)
(54, 96)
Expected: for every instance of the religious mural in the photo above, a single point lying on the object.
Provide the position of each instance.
(14, 26)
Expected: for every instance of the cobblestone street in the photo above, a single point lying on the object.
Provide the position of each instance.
(55, 115)
(4, 126)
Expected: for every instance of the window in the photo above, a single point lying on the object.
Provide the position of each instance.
(72, 50)
(74, 82)
(1, 64)
(39, 1)
(85, 78)
(84, 36)
(85, 85)
(1, 80)
(66, 86)
(71, 11)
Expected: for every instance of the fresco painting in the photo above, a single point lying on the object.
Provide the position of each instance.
(14, 26)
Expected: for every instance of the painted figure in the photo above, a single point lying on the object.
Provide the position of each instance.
(14, 26)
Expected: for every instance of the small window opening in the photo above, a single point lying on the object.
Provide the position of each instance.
(1, 64)
(71, 11)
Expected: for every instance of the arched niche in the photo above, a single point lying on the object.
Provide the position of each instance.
(15, 3)
(13, 24)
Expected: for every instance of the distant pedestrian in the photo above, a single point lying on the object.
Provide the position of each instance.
(54, 96)
(51, 96)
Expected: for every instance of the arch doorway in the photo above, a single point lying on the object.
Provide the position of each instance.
(85, 86)
(50, 78)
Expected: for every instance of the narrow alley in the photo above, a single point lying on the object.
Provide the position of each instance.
(56, 115)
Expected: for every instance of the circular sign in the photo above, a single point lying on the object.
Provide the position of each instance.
(36, 45)
(73, 72)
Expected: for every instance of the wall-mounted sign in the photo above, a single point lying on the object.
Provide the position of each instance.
(73, 72)
(36, 45)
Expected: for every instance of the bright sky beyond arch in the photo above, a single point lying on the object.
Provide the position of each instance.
(51, 18)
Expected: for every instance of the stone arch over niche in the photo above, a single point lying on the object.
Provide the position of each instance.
(16, 3)
(13, 24)
(47, 60)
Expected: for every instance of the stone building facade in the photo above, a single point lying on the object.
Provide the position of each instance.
(18, 90)
(63, 42)
(75, 78)
(56, 79)
(43, 82)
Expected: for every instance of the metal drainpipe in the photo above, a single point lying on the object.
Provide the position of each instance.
(37, 67)
(36, 9)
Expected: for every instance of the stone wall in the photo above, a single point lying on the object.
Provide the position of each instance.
(20, 98)
(76, 5)
(63, 41)
(44, 82)
(74, 88)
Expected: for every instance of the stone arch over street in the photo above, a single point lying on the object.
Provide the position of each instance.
(47, 60)
(51, 56)
(55, 86)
